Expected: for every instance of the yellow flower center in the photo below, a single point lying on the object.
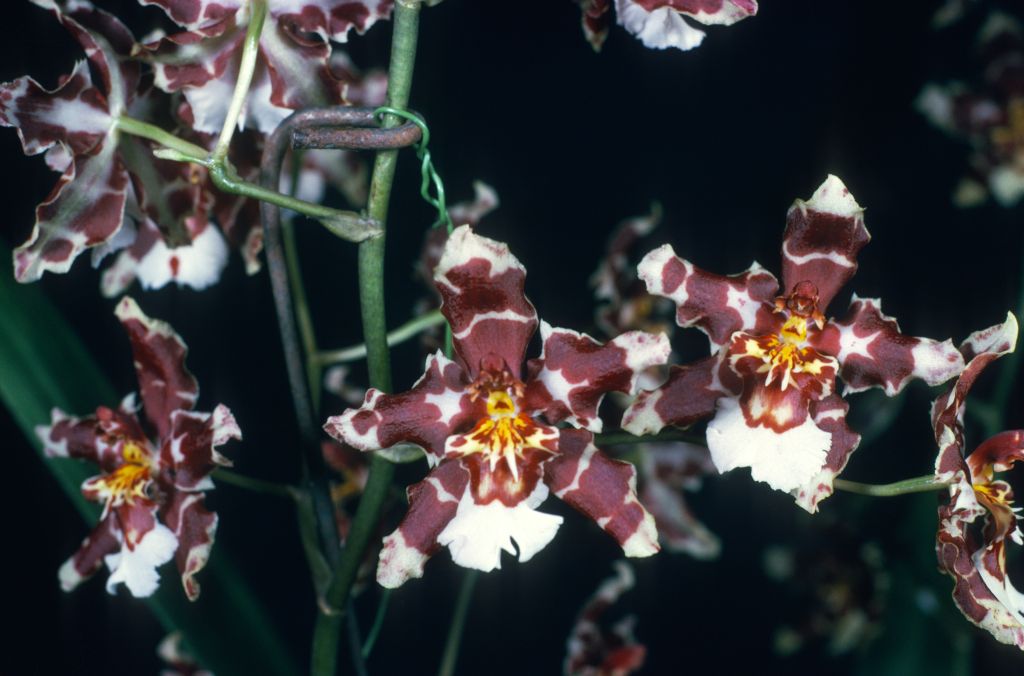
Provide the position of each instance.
(784, 354)
(504, 434)
(128, 481)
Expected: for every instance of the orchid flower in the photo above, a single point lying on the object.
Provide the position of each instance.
(151, 489)
(659, 24)
(487, 424)
(595, 649)
(972, 554)
(769, 384)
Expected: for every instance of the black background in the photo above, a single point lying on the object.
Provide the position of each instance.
(725, 137)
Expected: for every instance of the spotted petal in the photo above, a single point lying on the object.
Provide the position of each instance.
(596, 19)
(191, 446)
(604, 490)
(829, 415)
(83, 564)
(575, 371)
(665, 471)
(872, 351)
(426, 415)
(159, 357)
(433, 503)
(689, 395)
(822, 239)
(194, 527)
(717, 305)
(146, 544)
(98, 438)
(481, 284)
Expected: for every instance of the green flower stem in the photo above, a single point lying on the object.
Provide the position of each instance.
(919, 484)
(668, 434)
(345, 224)
(451, 645)
(378, 622)
(255, 485)
(371, 298)
(403, 333)
(250, 49)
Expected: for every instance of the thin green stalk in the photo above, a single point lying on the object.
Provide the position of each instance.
(250, 49)
(371, 298)
(255, 485)
(345, 224)
(669, 434)
(451, 645)
(378, 623)
(919, 484)
(411, 328)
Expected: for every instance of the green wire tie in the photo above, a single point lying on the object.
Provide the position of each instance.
(427, 170)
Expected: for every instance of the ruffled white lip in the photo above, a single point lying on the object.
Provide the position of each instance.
(136, 568)
(197, 265)
(478, 533)
(785, 461)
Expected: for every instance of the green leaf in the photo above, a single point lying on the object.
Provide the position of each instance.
(43, 365)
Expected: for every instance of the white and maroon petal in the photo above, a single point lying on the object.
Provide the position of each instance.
(689, 394)
(197, 265)
(196, 14)
(786, 460)
(980, 349)
(158, 353)
(433, 503)
(665, 471)
(102, 541)
(190, 448)
(73, 116)
(85, 209)
(716, 304)
(596, 650)
(478, 533)
(70, 437)
(957, 552)
(333, 19)
(829, 414)
(604, 490)
(485, 200)
(481, 284)
(195, 528)
(108, 45)
(425, 415)
(596, 19)
(136, 567)
(576, 371)
(822, 239)
(659, 23)
(872, 351)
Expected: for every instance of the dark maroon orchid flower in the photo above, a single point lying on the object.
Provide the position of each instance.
(479, 420)
(980, 518)
(769, 384)
(151, 490)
